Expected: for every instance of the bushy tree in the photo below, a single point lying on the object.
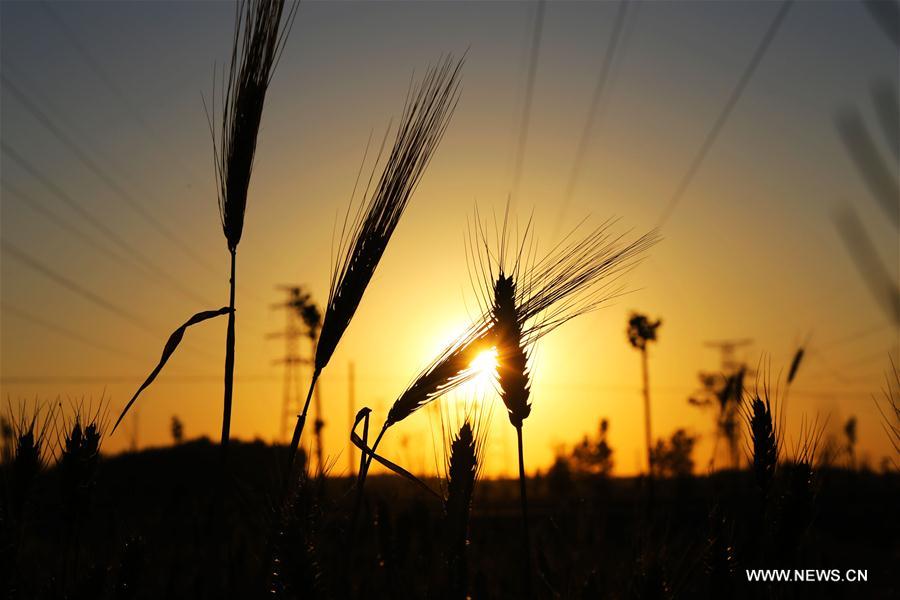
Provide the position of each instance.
(674, 458)
(594, 457)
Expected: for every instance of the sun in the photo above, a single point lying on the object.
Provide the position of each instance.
(484, 367)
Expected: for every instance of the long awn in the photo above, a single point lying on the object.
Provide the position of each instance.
(365, 234)
(575, 277)
(261, 31)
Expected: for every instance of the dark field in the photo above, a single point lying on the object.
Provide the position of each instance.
(149, 526)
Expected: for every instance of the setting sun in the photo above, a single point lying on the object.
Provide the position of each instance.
(484, 367)
(485, 364)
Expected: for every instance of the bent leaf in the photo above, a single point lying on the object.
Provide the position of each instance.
(363, 415)
(167, 352)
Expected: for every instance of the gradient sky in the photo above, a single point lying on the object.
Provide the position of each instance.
(750, 251)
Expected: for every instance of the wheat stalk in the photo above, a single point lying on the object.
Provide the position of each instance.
(514, 385)
(463, 464)
(523, 302)
(577, 276)
(365, 236)
(528, 298)
(795, 364)
(764, 432)
(574, 278)
(26, 454)
(798, 501)
(79, 442)
(259, 36)
(447, 371)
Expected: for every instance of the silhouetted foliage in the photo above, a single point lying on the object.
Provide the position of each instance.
(177, 429)
(724, 393)
(641, 330)
(850, 435)
(593, 456)
(675, 457)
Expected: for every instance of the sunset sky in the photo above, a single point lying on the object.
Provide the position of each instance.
(108, 184)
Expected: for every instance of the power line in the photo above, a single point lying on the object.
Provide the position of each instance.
(63, 281)
(602, 80)
(26, 379)
(725, 113)
(12, 191)
(529, 95)
(102, 174)
(855, 335)
(108, 233)
(91, 61)
(30, 202)
(65, 331)
(50, 105)
(246, 291)
(866, 360)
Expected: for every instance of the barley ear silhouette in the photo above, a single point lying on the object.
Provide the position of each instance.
(527, 297)
(463, 464)
(450, 369)
(261, 30)
(762, 426)
(514, 385)
(365, 235)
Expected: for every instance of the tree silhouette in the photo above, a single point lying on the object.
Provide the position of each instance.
(725, 392)
(590, 457)
(642, 331)
(674, 459)
(850, 434)
(177, 429)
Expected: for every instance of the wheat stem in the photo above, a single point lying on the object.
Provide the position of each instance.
(301, 422)
(318, 425)
(229, 359)
(526, 564)
(365, 462)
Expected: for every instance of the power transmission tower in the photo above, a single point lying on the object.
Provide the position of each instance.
(728, 390)
(303, 321)
(292, 399)
(728, 353)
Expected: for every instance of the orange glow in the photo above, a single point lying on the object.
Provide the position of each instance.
(752, 250)
(485, 366)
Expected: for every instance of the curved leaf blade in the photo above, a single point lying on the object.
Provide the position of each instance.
(168, 350)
